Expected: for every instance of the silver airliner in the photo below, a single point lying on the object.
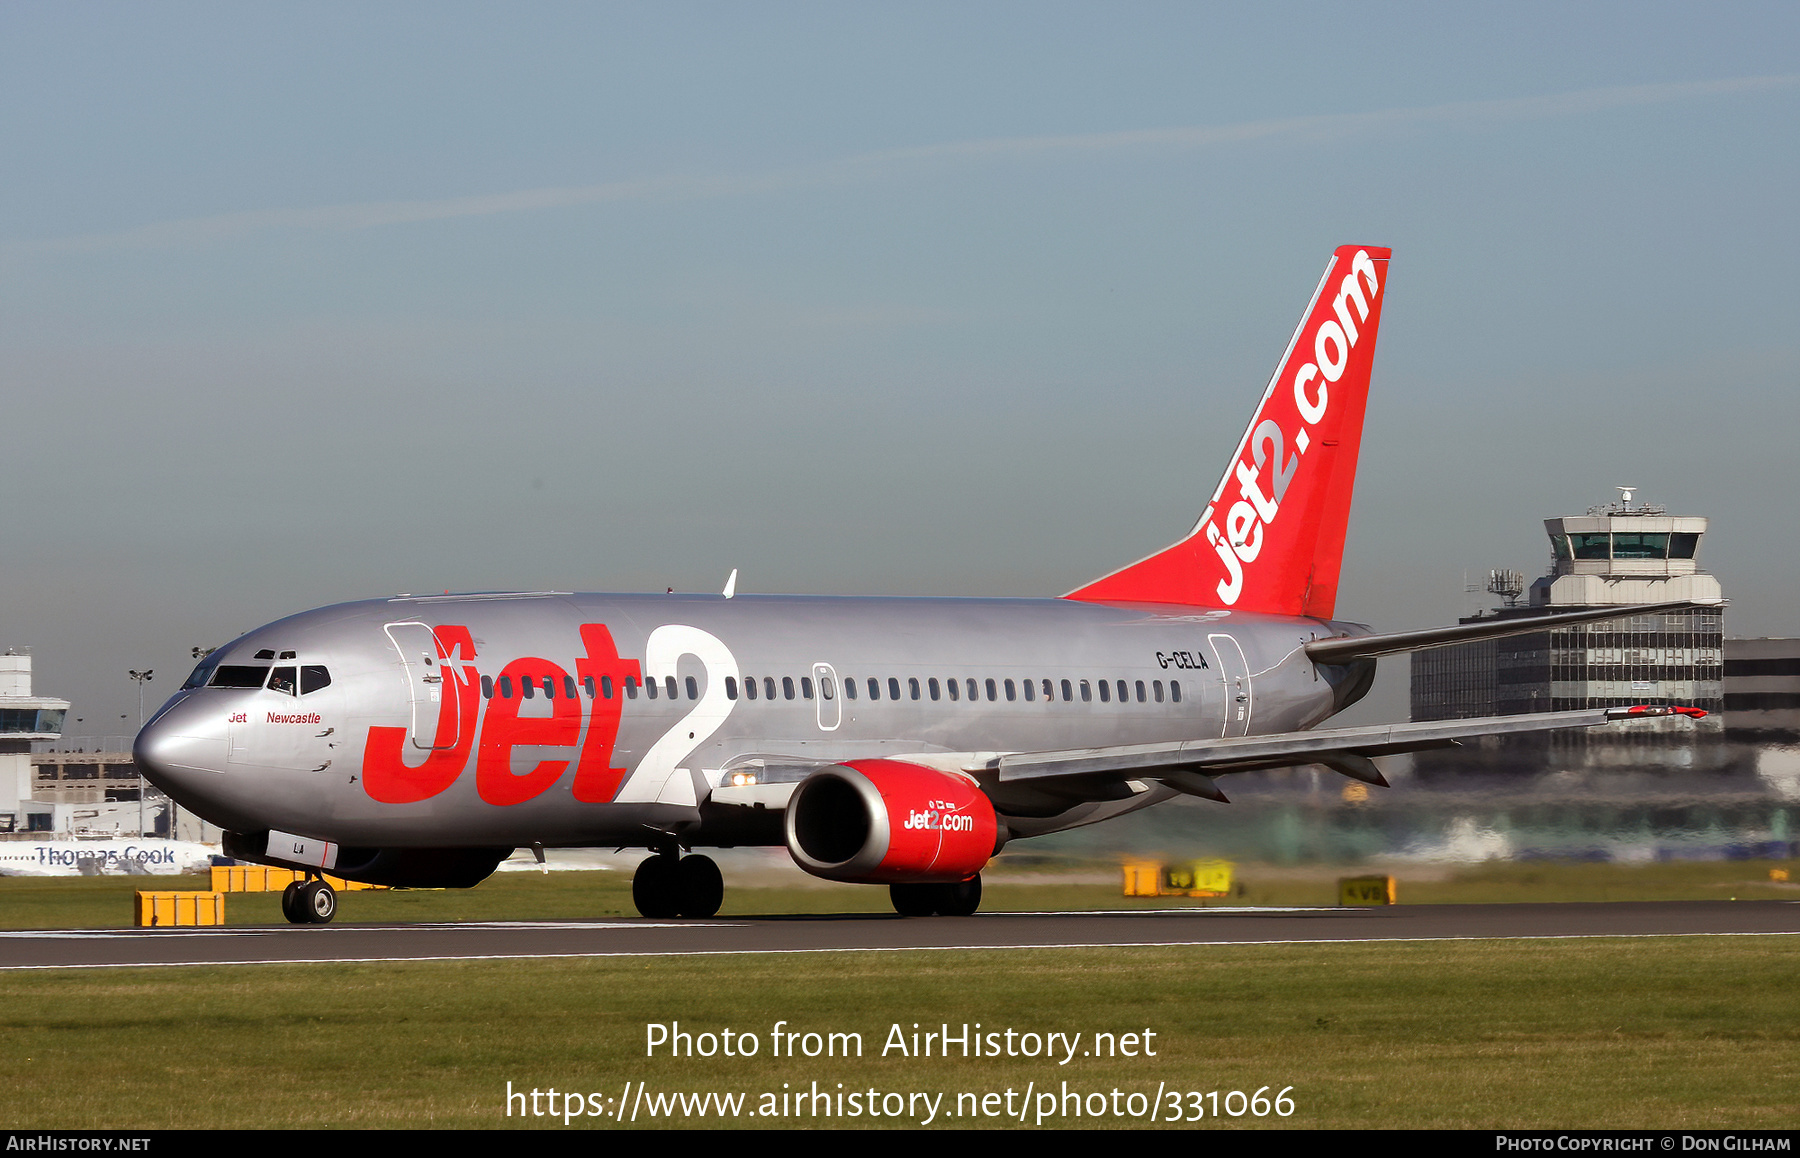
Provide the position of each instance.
(421, 740)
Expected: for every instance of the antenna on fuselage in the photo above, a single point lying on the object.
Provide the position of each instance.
(730, 584)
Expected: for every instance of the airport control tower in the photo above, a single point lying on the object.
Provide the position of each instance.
(1621, 553)
(23, 719)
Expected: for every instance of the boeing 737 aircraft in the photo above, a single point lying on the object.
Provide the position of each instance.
(420, 740)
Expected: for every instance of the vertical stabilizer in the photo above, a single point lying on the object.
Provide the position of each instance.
(1272, 538)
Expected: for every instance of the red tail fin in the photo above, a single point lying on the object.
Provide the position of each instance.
(1272, 539)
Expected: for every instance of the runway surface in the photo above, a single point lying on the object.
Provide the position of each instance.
(87, 948)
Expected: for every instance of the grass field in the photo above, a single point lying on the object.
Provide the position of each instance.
(101, 902)
(1665, 1033)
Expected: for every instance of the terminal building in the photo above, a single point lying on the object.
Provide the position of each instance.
(1617, 555)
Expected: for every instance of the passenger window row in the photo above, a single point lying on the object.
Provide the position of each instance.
(788, 688)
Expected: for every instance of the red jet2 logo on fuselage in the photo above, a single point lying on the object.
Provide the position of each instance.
(389, 779)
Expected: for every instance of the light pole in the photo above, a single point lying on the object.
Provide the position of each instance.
(142, 678)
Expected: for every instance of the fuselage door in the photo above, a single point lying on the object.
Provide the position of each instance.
(1234, 683)
(830, 697)
(425, 685)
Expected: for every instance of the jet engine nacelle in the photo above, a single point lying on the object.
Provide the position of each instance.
(889, 822)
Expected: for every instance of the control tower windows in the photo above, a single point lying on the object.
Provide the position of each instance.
(1591, 546)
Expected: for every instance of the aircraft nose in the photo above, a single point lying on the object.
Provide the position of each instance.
(182, 751)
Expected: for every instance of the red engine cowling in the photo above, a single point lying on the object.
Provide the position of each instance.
(889, 822)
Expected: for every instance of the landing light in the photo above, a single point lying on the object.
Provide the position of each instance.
(743, 779)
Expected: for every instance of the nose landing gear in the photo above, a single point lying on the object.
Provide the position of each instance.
(311, 902)
(670, 885)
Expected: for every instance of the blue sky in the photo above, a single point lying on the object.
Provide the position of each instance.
(302, 304)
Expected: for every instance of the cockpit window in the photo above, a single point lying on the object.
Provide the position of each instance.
(238, 675)
(282, 680)
(313, 677)
(202, 672)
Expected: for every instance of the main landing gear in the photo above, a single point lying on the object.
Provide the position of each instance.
(311, 902)
(671, 885)
(957, 900)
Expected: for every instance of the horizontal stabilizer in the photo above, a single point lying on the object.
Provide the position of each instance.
(1346, 648)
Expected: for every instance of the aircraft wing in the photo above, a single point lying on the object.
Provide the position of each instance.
(1187, 765)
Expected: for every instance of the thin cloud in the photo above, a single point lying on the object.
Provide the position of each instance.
(867, 166)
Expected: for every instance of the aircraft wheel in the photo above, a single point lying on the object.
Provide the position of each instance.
(289, 907)
(317, 902)
(655, 889)
(700, 886)
(914, 900)
(962, 899)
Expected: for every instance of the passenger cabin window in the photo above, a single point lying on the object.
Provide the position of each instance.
(1030, 691)
(955, 690)
(850, 689)
(1067, 693)
(731, 687)
(1175, 690)
(1106, 693)
(874, 688)
(527, 687)
(749, 687)
(806, 687)
(912, 685)
(487, 687)
(669, 686)
(1087, 693)
(693, 689)
(606, 687)
(769, 688)
(787, 687)
(506, 687)
(569, 687)
(893, 688)
(631, 687)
